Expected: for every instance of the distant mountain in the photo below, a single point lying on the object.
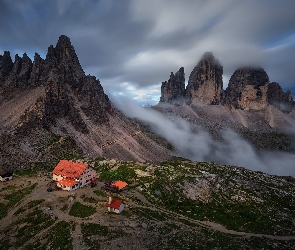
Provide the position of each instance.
(53, 98)
(251, 105)
(249, 88)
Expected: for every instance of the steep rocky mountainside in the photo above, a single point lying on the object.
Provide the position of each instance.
(55, 94)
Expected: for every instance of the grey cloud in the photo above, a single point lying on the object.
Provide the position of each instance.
(109, 36)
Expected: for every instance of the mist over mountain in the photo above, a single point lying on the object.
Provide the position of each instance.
(248, 124)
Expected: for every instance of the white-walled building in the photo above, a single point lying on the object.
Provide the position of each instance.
(72, 175)
(116, 206)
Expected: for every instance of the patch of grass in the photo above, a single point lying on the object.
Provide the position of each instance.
(82, 211)
(13, 198)
(34, 203)
(100, 192)
(101, 233)
(90, 200)
(29, 226)
(8, 188)
(123, 172)
(64, 207)
(20, 211)
(59, 237)
(4, 244)
(30, 172)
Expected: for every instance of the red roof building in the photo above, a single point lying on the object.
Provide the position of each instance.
(116, 206)
(72, 175)
(120, 184)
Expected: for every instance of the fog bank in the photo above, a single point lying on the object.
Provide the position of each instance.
(200, 146)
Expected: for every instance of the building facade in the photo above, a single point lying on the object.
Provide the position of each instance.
(72, 175)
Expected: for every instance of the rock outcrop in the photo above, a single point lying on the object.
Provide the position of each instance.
(247, 89)
(279, 99)
(205, 83)
(173, 90)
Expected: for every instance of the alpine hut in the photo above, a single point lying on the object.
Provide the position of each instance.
(72, 175)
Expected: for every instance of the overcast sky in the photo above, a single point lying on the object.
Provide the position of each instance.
(133, 45)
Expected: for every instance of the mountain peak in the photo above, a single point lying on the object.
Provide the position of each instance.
(205, 81)
(64, 39)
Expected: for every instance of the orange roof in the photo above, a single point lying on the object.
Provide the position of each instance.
(69, 168)
(115, 204)
(120, 184)
(67, 182)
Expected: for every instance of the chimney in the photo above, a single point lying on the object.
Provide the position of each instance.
(110, 200)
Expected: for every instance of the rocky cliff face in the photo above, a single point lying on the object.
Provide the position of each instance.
(205, 81)
(65, 84)
(247, 89)
(279, 99)
(173, 90)
(250, 89)
(14, 75)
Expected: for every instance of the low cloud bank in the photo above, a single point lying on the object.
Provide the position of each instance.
(194, 143)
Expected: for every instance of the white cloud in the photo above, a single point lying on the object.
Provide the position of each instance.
(200, 146)
(149, 95)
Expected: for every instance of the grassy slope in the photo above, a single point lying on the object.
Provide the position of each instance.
(174, 200)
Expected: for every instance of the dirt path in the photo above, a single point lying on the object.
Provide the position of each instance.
(215, 226)
(78, 238)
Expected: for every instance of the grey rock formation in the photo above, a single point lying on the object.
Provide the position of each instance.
(173, 90)
(205, 83)
(6, 65)
(247, 89)
(279, 99)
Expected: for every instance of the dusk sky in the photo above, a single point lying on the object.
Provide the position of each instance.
(132, 46)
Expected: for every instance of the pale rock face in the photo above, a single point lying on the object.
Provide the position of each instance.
(255, 99)
(247, 89)
(205, 83)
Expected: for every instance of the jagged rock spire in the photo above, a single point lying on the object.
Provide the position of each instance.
(173, 90)
(205, 82)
